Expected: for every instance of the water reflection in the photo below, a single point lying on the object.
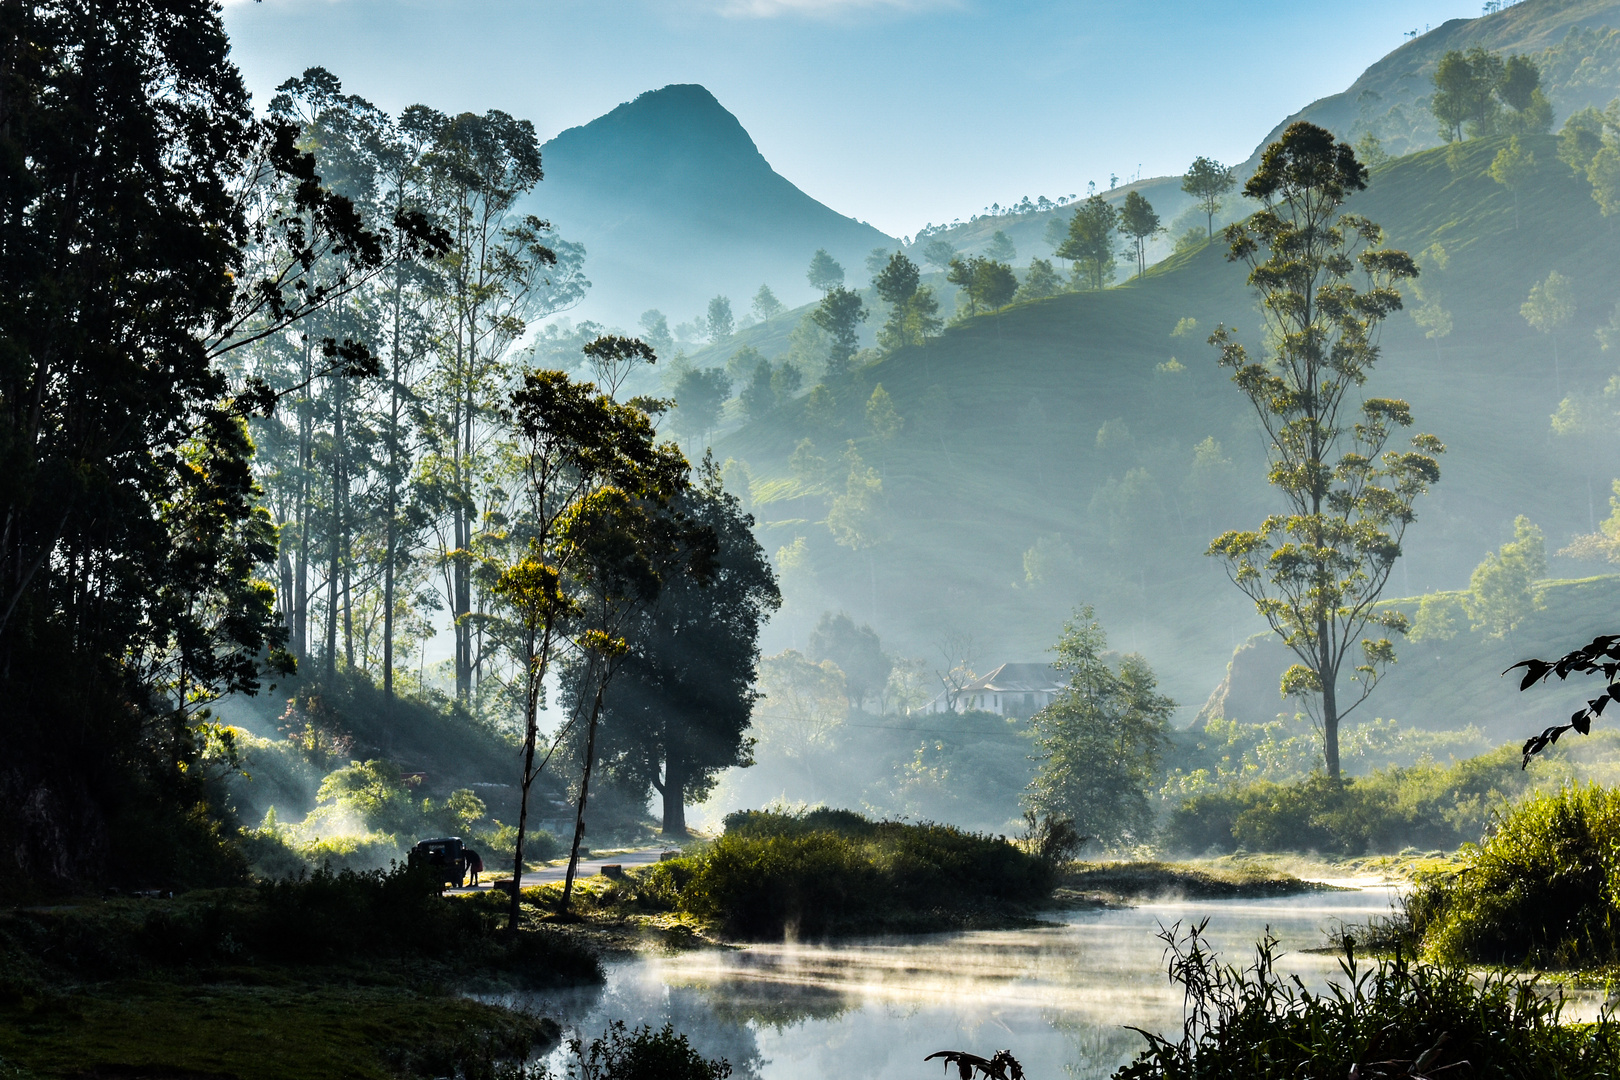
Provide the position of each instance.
(1060, 997)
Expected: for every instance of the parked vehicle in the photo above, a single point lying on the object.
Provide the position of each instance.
(445, 854)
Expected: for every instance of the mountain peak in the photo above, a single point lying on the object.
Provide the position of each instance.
(661, 129)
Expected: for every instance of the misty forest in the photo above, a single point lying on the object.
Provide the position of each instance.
(480, 605)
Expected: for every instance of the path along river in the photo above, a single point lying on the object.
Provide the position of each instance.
(1060, 997)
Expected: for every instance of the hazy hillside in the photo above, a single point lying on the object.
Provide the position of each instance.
(1008, 450)
(1575, 42)
(675, 205)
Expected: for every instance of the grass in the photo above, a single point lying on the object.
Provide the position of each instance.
(1389, 1018)
(168, 1028)
(340, 974)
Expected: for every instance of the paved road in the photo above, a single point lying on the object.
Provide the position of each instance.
(587, 868)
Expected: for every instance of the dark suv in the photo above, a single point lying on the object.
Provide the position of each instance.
(446, 855)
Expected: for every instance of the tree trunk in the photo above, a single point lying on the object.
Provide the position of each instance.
(531, 730)
(584, 795)
(674, 792)
(1330, 726)
(334, 534)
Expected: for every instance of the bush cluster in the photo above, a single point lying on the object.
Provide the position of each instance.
(1425, 806)
(1542, 890)
(324, 918)
(832, 871)
(1391, 1018)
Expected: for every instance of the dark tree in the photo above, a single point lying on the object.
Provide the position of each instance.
(699, 395)
(824, 273)
(856, 650)
(128, 564)
(679, 708)
(840, 314)
(759, 396)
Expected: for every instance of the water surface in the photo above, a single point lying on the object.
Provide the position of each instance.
(1060, 997)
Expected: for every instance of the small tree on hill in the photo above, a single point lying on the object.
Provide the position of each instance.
(1090, 243)
(824, 274)
(1501, 590)
(1138, 221)
(1001, 248)
(1100, 742)
(938, 253)
(766, 305)
(1511, 167)
(1041, 281)
(1315, 573)
(1207, 180)
(840, 314)
(720, 322)
(1549, 309)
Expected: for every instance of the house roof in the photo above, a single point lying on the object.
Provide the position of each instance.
(1018, 678)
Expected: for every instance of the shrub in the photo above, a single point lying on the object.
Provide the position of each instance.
(1392, 1018)
(830, 871)
(642, 1054)
(1543, 889)
(1427, 806)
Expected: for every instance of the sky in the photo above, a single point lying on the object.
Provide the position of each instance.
(896, 112)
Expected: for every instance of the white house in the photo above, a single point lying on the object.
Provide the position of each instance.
(1010, 690)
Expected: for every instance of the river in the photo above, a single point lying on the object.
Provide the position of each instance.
(1060, 997)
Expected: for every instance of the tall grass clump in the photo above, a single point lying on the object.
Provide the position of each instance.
(1386, 1019)
(834, 871)
(1542, 890)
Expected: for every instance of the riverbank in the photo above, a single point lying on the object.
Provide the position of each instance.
(338, 975)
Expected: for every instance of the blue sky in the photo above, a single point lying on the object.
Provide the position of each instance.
(897, 112)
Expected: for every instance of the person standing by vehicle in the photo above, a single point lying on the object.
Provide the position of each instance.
(475, 865)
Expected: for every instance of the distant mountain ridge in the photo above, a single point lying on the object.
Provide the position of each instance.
(675, 204)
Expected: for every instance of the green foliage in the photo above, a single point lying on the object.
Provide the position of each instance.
(1001, 248)
(1100, 741)
(1089, 244)
(828, 872)
(1436, 619)
(825, 274)
(720, 323)
(984, 283)
(1501, 590)
(766, 306)
(1541, 890)
(913, 310)
(678, 709)
(315, 920)
(1138, 221)
(1040, 281)
(1207, 180)
(1315, 573)
(699, 395)
(854, 650)
(1393, 1015)
(1423, 805)
(838, 315)
(641, 1054)
(881, 418)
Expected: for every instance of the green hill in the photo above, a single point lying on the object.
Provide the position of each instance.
(1574, 42)
(1008, 449)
